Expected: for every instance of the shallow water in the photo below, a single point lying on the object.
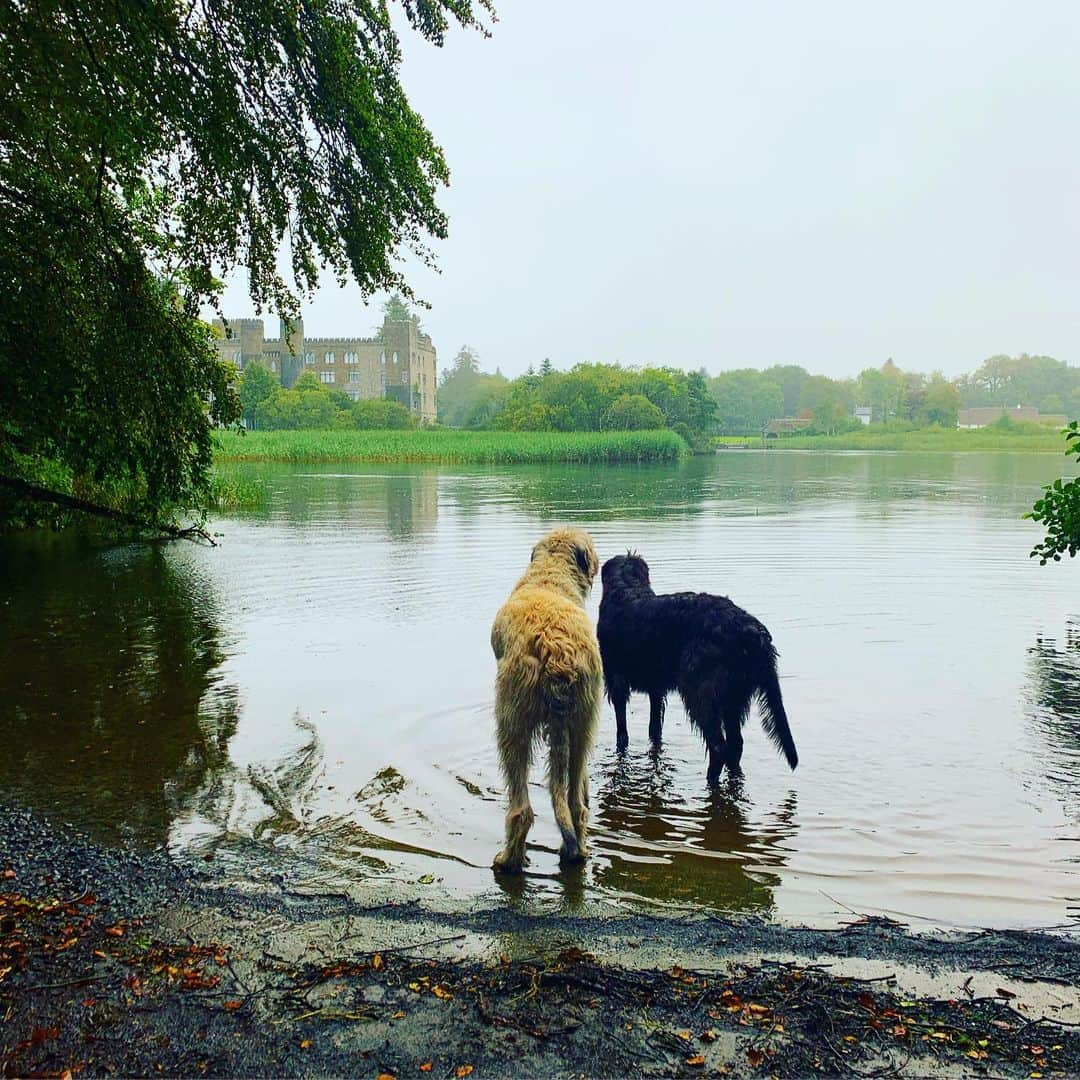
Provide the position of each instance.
(320, 685)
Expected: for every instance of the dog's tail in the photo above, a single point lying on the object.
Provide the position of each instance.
(773, 716)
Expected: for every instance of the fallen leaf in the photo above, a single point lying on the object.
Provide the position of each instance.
(899, 1030)
(115, 931)
(1007, 994)
(850, 1039)
(1038, 1051)
(8, 874)
(399, 1015)
(462, 1071)
(866, 1002)
(414, 987)
(684, 1035)
(697, 1060)
(754, 1057)
(386, 1076)
(444, 995)
(708, 1035)
(305, 1043)
(504, 959)
(426, 879)
(232, 1005)
(377, 962)
(977, 1055)
(426, 1067)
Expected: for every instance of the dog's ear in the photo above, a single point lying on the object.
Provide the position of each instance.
(587, 561)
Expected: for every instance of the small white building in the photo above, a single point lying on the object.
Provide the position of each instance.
(863, 413)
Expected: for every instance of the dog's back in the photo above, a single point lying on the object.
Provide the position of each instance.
(543, 668)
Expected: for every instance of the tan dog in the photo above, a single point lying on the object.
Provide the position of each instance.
(548, 689)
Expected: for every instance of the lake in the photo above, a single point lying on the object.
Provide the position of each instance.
(319, 686)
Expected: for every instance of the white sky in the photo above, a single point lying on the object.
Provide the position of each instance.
(725, 185)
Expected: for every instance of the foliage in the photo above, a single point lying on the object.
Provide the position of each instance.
(464, 391)
(1051, 385)
(1059, 509)
(147, 146)
(633, 412)
(449, 446)
(746, 401)
(310, 406)
(256, 386)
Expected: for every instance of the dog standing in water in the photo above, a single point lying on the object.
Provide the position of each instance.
(716, 655)
(547, 689)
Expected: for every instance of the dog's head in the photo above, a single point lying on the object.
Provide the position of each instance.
(627, 571)
(575, 547)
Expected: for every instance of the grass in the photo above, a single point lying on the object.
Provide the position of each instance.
(1027, 438)
(232, 491)
(450, 447)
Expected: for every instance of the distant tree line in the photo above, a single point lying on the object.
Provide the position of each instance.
(592, 397)
(589, 397)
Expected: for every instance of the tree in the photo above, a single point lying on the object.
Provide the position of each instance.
(546, 368)
(633, 412)
(1059, 510)
(148, 146)
(396, 310)
(256, 385)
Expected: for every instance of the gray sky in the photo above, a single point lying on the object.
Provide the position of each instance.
(735, 185)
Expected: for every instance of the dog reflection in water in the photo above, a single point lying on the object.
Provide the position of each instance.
(547, 690)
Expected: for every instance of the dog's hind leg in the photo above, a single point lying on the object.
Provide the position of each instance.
(515, 754)
(578, 788)
(560, 759)
(656, 716)
(734, 717)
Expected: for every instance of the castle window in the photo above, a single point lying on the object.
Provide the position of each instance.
(329, 358)
(382, 357)
(395, 358)
(326, 376)
(405, 378)
(354, 376)
(309, 358)
(351, 358)
(354, 395)
(273, 365)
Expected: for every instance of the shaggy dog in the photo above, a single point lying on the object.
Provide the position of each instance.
(547, 688)
(716, 655)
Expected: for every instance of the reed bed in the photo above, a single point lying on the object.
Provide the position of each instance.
(450, 447)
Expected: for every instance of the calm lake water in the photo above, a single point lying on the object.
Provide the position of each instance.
(320, 685)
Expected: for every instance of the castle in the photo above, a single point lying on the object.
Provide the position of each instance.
(398, 362)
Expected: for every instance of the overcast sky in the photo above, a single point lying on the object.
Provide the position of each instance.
(726, 185)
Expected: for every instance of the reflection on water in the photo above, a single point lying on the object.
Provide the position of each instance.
(113, 709)
(1054, 710)
(686, 844)
(321, 684)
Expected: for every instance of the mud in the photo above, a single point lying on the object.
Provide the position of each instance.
(117, 962)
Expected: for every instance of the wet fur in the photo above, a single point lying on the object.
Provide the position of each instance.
(717, 656)
(547, 689)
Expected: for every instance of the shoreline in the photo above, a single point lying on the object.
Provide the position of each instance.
(129, 962)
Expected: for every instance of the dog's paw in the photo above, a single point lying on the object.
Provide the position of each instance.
(504, 864)
(571, 854)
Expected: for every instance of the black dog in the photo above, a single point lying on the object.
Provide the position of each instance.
(716, 655)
